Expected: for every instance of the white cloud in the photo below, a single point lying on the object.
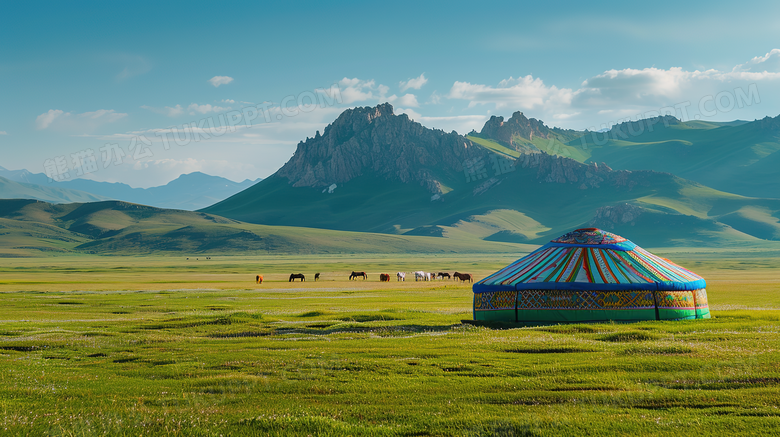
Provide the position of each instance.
(356, 90)
(414, 83)
(566, 116)
(44, 120)
(169, 111)
(629, 92)
(2, 132)
(521, 93)
(462, 124)
(405, 100)
(767, 63)
(228, 101)
(220, 80)
(105, 115)
(175, 111)
(86, 121)
(204, 109)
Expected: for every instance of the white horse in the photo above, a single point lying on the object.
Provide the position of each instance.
(401, 276)
(419, 276)
(427, 276)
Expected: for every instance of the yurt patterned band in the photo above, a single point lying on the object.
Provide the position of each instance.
(567, 266)
(545, 306)
(589, 300)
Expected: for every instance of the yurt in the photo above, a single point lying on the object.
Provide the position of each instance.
(590, 275)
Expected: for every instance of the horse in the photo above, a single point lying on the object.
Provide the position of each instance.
(443, 275)
(316, 277)
(384, 277)
(259, 279)
(355, 275)
(419, 276)
(401, 276)
(428, 276)
(294, 276)
(464, 276)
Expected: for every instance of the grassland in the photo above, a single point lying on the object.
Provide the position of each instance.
(168, 346)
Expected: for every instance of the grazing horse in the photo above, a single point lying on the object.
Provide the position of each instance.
(443, 275)
(419, 276)
(355, 275)
(316, 277)
(259, 279)
(401, 276)
(294, 276)
(464, 276)
(384, 277)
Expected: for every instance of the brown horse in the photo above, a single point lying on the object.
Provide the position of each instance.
(464, 276)
(355, 275)
(443, 275)
(384, 277)
(259, 279)
(294, 276)
(316, 277)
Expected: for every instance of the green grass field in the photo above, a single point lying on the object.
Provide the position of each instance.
(167, 346)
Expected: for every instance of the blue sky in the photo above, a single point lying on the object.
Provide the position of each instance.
(75, 77)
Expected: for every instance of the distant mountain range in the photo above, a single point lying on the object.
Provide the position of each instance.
(10, 189)
(516, 180)
(188, 192)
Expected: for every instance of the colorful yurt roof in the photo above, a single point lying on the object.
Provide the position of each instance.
(591, 259)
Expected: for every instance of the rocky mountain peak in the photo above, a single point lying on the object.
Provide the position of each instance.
(518, 125)
(373, 140)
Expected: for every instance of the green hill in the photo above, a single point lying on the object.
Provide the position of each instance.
(737, 157)
(31, 228)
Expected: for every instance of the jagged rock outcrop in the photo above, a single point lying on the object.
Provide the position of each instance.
(521, 127)
(518, 125)
(770, 123)
(607, 217)
(373, 139)
(551, 168)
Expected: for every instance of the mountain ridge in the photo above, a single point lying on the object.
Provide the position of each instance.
(545, 194)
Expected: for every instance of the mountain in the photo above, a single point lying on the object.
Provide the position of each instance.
(529, 135)
(373, 171)
(189, 191)
(738, 157)
(22, 190)
(34, 228)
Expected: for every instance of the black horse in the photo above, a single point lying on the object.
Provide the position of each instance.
(464, 276)
(356, 275)
(294, 276)
(316, 277)
(444, 275)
